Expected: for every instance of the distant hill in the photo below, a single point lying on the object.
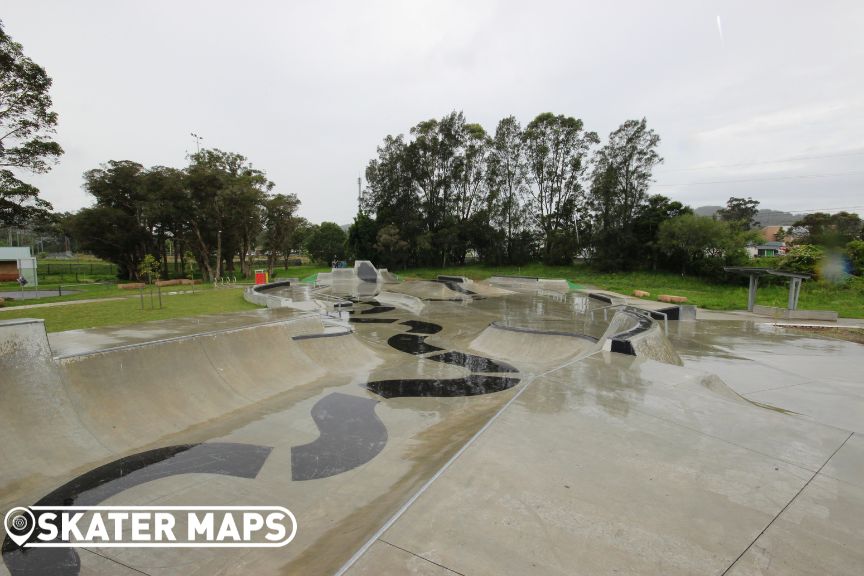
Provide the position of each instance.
(766, 217)
(707, 210)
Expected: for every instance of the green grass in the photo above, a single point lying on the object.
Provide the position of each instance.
(128, 311)
(847, 300)
(297, 271)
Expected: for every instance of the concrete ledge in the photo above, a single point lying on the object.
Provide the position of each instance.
(786, 314)
(608, 297)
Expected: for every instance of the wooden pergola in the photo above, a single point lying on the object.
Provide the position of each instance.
(754, 273)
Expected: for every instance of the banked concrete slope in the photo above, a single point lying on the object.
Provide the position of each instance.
(82, 409)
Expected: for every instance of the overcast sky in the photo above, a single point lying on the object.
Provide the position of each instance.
(766, 98)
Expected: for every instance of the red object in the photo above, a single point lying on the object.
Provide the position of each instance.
(260, 278)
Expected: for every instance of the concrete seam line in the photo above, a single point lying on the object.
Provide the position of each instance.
(786, 506)
(421, 557)
(404, 508)
(110, 559)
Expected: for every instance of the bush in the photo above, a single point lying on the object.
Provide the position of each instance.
(855, 253)
(803, 259)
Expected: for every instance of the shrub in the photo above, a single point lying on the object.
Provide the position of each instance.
(855, 253)
(803, 259)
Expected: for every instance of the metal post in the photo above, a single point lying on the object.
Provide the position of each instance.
(794, 288)
(751, 295)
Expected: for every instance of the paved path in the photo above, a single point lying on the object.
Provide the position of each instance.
(49, 304)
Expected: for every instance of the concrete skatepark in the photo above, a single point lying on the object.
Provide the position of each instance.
(514, 426)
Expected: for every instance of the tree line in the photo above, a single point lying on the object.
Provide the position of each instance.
(549, 191)
(214, 212)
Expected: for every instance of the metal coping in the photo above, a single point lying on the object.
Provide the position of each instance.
(344, 332)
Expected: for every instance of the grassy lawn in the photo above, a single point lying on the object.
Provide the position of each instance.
(128, 311)
(847, 300)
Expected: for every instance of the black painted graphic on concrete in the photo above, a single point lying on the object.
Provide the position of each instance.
(472, 385)
(414, 341)
(91, 488)
(472, 362)
(378, 310)
(356, 320)
(420, 327)
(351, 435)
(412, 344)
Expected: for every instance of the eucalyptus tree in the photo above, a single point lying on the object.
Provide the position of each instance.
(280, 226)
(507, 179)
(621, 177)
(556, 150)
(433, 158)
(225, 195)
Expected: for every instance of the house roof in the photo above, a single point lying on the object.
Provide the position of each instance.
(769, 233)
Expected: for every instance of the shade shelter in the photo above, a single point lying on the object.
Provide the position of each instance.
(754, 273)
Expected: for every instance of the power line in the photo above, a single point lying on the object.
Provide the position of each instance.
(758, 163)
(799, 177)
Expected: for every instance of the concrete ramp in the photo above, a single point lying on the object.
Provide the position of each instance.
(387, 277)
(34, 405)
(525, 345)
(121, 399)
(404, 301)
(339, 351)
(429, 290)
(634, 332)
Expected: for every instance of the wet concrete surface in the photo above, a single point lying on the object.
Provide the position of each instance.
(747, 459)
(74, 342)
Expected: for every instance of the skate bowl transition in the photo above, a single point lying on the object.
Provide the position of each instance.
(432, 427)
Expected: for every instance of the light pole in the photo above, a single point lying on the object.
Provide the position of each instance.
(197, 141)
